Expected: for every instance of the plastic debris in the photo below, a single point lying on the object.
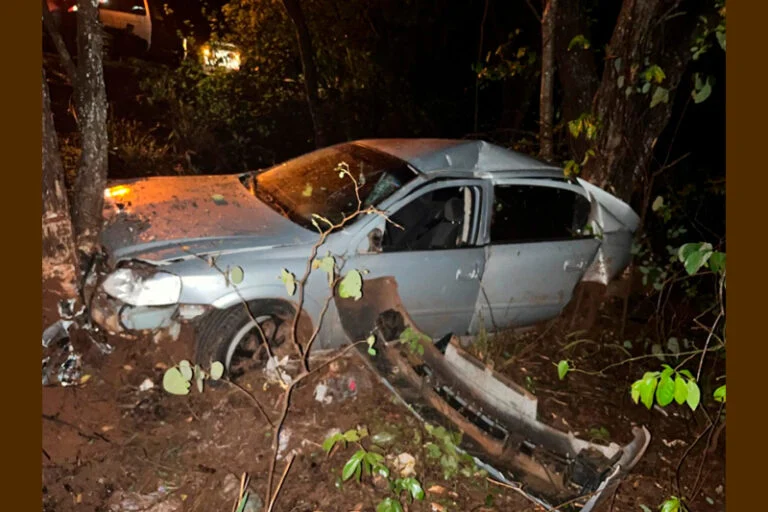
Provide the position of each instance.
(285, 436)
(321, 394)
(146, 385)
(56, 332)
(405, 465)
(71, 369)
(275, 371)
(158, 501)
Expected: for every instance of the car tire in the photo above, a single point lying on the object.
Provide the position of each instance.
(230, 336)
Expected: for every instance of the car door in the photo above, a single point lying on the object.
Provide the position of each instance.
(429, 245)
(538, 251)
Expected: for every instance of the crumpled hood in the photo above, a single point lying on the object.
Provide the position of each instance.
(166, 218)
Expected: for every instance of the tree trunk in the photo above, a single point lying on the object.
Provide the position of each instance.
(91, 103)
(58, 42)
(546, 107)
(293, 7)
(59, 254)
(647, 33)
(576, 69)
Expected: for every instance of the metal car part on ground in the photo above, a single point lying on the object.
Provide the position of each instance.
(443, 385)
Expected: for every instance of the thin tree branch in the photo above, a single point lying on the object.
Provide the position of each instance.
(58, 41)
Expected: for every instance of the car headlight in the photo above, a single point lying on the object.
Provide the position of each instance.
(131, 287)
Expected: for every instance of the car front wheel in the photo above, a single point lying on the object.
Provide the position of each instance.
(236, 336)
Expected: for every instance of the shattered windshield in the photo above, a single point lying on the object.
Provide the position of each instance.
(311, 184)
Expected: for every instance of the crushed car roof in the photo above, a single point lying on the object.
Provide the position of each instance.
(463, 156)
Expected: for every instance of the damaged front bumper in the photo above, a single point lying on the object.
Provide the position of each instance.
(446, 386)
(115, 316)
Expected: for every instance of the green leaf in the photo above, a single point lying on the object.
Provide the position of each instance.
(389, 505)
(717, 262)
(579, 41)
(351, 436)
(562, 369)
(635, 390)
(243, 502)
(331, 441)
(702, 89)
(381, 470)
(665, 391)
(671, 505)
(719, 394)
(374, 458)
(686, 372)
(289, 280)
(694, 256)
(236, 275)
(353, 465)
(720, 39)
(351, 286)
(186, 369)
(174, 382)
(654, 74)
(658, 203)
(660, 95)
(681, 390)
(694, 395)
(217, 370)
(647, 389)
(411, 485)
(433, 451)
(645, 508)
(383, 438)
(327, 265)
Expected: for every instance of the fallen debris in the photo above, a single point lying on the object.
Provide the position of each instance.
(445, 386)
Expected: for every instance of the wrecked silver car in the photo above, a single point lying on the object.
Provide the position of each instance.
(469, 236)
(475, 236)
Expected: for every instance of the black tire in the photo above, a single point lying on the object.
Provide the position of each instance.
(216, 332)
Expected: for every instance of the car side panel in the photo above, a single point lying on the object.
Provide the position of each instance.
(530, 282)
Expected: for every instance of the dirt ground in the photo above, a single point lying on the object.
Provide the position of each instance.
(107, 445)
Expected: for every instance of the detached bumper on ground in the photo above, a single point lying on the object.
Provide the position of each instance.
(445, 386)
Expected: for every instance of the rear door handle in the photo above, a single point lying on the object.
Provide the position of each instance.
(574, 266)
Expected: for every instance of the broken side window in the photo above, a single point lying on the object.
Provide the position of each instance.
(439, 219)
(527, 213)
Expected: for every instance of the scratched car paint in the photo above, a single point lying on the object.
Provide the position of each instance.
(489, 238)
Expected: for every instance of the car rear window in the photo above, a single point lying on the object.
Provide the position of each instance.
(529, 213)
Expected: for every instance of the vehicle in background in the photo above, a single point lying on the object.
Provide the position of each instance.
(145, 29)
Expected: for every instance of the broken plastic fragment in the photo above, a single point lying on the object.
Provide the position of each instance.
(70, 370)
(56, 332)
(146, 385)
